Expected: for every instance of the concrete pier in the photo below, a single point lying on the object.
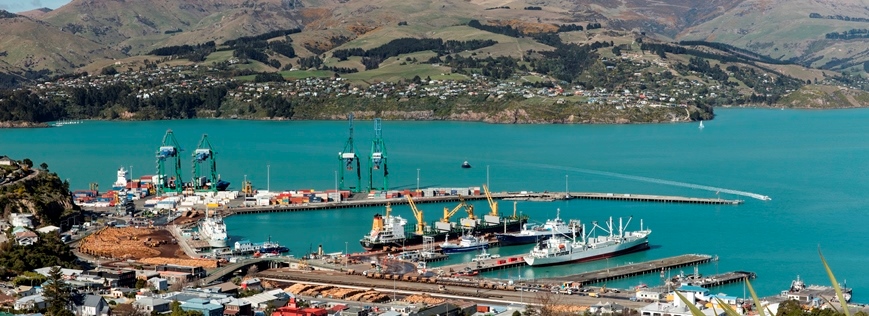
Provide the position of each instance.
(626, 271)
(530, 196)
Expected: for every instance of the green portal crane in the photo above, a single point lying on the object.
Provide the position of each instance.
(377, 160)
(204, 154)
(169, 151)
(346, 160)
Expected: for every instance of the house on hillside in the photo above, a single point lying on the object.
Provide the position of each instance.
(152, 304)
(6, 161)
(94, 305)
(26, 238)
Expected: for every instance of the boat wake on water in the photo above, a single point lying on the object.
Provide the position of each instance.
(650, 180)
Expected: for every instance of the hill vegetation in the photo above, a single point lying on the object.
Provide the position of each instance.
(35, 191)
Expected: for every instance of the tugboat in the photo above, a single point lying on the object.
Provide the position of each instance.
(466, 165)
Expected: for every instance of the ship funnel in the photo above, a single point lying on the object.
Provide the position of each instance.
(377, 223)
(320, 250)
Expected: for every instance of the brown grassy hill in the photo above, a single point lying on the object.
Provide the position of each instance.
(27, 44)
(783, 29)
(35, 13)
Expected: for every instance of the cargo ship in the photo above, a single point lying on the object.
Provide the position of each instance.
(392, 231)
(537, 233)
(559, 249)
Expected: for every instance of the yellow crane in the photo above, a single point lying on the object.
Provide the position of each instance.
(448, 213)
(492, 204)
(420, 222)
(470, 209)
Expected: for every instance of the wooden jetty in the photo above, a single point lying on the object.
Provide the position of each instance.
(456, 198)
(630, 270)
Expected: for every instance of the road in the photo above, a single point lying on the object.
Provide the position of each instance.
(390, 286)
(28, 177)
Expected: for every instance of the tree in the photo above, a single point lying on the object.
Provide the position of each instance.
(141, 283)
(27, 162)
(56, 293)
(43, 166)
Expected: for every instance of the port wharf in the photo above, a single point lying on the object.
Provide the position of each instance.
(457, 198)
(631, 270)
(717, 279)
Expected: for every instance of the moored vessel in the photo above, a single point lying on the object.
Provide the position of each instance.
(535, 233)
(559, 249)
(466, 243)
(213, 230)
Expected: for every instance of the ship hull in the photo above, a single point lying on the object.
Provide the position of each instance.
(414, 239)
(217, 243)
(511, 240)
(590, 255)
(464, 249)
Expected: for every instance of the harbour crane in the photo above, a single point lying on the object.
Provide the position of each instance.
(346, 160)
(169, 151)
(204, 154)
(448, 213)
(492, 204)
(420, 222)
(377, 160)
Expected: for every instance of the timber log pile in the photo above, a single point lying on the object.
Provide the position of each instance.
(204, 263)
(121, 243)
(423, 298)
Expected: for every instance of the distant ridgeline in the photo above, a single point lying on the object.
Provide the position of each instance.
(837, 17)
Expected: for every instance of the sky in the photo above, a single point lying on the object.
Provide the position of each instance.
(27, 5)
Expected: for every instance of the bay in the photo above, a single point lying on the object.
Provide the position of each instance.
(811, 163)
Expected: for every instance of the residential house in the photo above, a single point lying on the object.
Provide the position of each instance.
(159, 284)
(253, 284)
(273, 298)
(21, 220)
(30, 302)
(225, 287)
(49, 229)
(606, 308)
(6, 161)
(26, 290)
(295, 311)
(204, 306)
(119, 292)
(152, 304)
(237, 307)
(125, 278)
(26, 238)
(447, 309)
(94, 305)
(67, 273)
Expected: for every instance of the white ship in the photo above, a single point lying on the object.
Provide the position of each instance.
(560, 249)
(213, 229)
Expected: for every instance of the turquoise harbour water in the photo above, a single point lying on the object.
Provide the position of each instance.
(811, 163)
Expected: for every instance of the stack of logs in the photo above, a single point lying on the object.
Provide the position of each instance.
(423, 298)
(327, 291)
(120, 243)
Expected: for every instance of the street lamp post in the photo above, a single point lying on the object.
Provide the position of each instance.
(269, 178)
(417, 179)
(345, 255)
(336, 187)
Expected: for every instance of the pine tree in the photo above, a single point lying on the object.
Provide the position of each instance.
(57, 293)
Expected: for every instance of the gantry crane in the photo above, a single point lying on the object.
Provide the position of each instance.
(420, 222)
(169, 151)
(492, 204)
(377, 159)
(204, 154)
(448, 213)
(347, 158)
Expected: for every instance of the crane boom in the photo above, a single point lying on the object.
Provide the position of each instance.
(449, 213)
(492, 204)
(420, 222)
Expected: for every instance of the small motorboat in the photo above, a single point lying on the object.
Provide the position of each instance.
(466, 165)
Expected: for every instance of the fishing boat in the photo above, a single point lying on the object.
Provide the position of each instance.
(466, 165)
(466, 243)
(535, 233)
(483, 256)
(560, 249)
(213, 230)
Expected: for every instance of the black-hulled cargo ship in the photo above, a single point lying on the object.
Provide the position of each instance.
(392, 231)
